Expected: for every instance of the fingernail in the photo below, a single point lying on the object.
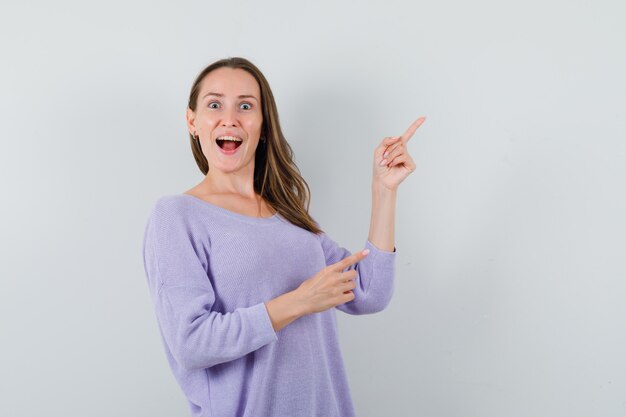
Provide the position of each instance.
(383, 162)
(365, 251)
(385, 154)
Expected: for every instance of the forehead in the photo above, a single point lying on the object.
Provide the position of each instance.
(230, 81)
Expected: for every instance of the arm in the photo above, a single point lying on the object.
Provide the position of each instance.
(392, 164)
(284, 309)
(176, 270)
(376, 274)
(374, 278)
(383, 217)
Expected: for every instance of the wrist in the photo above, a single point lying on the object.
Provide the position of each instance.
(298, 306)
(284, 309)
(381, 191)
(378, 183)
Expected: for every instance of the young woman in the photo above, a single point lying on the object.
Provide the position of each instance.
(245, 284)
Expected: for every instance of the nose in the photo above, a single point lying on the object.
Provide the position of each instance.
(229, 117)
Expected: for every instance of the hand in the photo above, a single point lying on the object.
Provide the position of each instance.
(329, 287)
(397, 164)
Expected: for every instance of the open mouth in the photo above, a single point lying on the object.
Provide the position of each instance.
(228, 144)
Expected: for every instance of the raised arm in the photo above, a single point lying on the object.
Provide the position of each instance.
(392, 164)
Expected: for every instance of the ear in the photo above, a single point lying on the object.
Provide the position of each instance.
(191, 121)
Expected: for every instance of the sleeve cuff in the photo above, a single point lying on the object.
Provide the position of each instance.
(260, 319)
(369, 245)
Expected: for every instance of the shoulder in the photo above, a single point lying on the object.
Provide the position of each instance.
(170, 202)
(176, 220)
(170, 208)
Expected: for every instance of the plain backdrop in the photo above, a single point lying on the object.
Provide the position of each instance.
(511, 233)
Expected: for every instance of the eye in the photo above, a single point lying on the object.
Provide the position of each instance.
(214, 105)
(246, 106)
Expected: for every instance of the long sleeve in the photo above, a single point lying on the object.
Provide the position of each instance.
(375, 276)
(176, 264)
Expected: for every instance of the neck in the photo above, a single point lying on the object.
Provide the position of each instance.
(239, 182)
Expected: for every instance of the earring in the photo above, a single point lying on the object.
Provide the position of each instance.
(195, 136)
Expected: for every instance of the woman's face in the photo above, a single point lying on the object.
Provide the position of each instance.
(228, 119)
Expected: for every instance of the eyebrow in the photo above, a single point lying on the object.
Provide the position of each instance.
(222, 95)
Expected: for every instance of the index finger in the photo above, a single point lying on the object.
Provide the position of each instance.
(349, 260)
(409, 132)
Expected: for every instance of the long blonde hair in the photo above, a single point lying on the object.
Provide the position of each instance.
(277, 179)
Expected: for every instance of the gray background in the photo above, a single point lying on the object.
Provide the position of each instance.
(511, 232)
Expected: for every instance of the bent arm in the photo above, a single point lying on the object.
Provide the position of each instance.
(374, 280)
(201, 338)
(176, 266)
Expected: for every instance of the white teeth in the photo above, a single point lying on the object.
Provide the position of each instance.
(231, 138)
